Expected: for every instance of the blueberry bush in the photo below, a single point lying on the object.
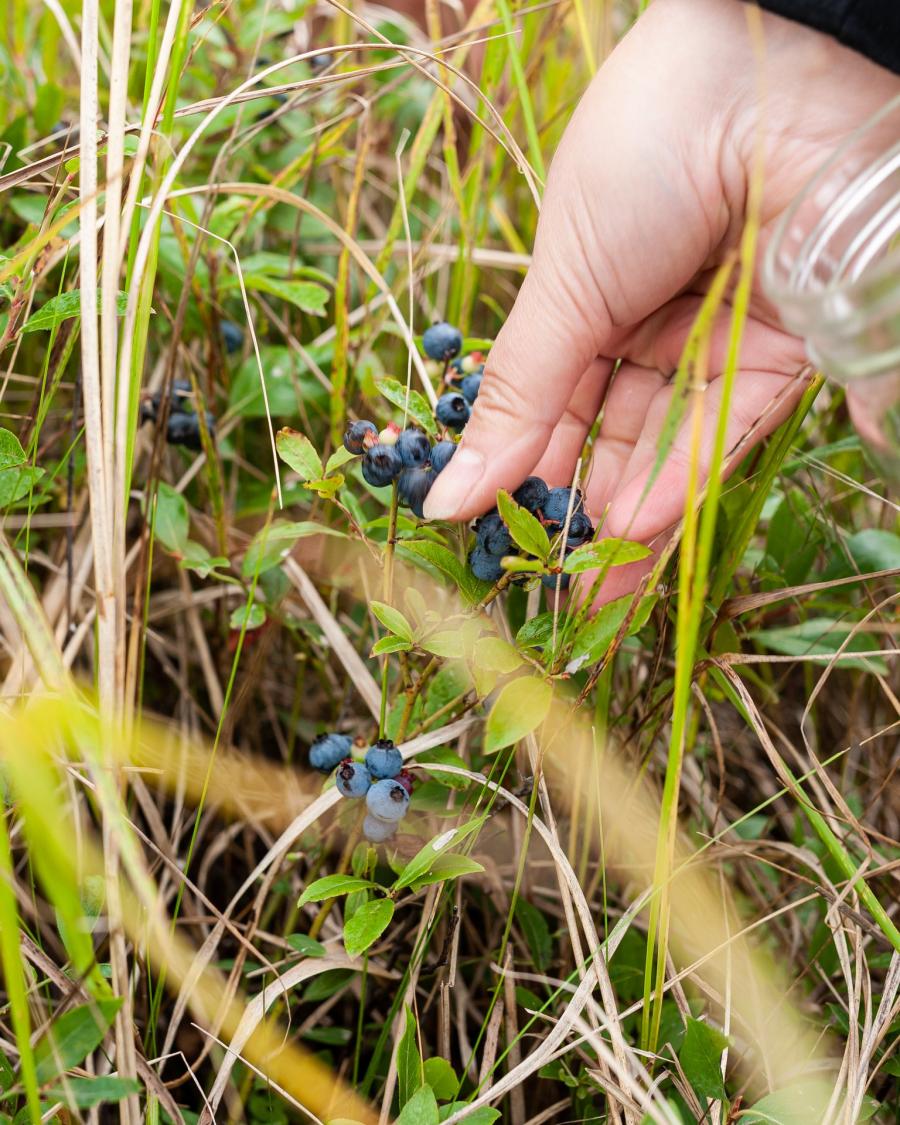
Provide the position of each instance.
(315, 809)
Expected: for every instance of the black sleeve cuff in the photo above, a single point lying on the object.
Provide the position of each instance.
(871, 27)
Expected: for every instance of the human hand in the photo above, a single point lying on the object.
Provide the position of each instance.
(646, 196)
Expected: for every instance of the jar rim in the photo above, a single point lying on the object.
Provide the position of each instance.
(799, 296)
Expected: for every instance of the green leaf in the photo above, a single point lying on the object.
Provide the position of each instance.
(289, 382)
(64, 306)
(306, 295)
(73, 1036)
(82, 1093)
(419, 407)
(520, 708)
(252, 616)
(17, 476)
(701, 1058)
(598, 633)
(330, 886)
(537, 933)
(874, 549)
(367, 925)
(338, 459)
(392, 619)
(270, 545)
(471, 588)
(536, 632)
(448, 866)
(387, 645)
(447, 643)
(803, 1103)
(424, 859)
(7, 1074)
(525, 528)
(441, 1077)
(196, 557)
(484, 1115)
(410, 1074)
(297, 451)
(604, 553)
(172, 519)
(306, 945)
(421, 1109)
(494, 654)
(821, 636)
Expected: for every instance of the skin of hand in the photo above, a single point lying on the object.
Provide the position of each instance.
(646, 195)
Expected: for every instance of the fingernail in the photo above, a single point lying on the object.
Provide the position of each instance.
(459, 478)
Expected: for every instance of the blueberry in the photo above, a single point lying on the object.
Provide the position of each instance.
(485, 566)
(387, 799)
(413, 485)
(321, 62)
(493, 535)
(414, 447)
(232, 335)
(580, 529)
(381, 465)
(532, 494)
(456, 366)
(442, 341)
(470, 387)
(179, 401)
(184, 429)
(383, 759)
(359, 436)
(441, 454)
(352, 779)
(327, 750)
(556, 506)
(378, 831)
(452, 410)
(550, 581)
(406, 780)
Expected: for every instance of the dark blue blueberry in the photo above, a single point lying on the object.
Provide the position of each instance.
(452, 410)
(327, 750)
(179, 401)
(414, 447)
(352, 779)
(381, 465)
(442, 341)
(321, 62)
(580, 529)
(441, 454)
(413, 485)
(383, 759)
(232, 336)
(184, 429)
(550, 581)
(358, 436)
(485, 566)
(376, 830)
(470, 386)
(493, 535)
(532, 494)
(556, 506)
(387, 799)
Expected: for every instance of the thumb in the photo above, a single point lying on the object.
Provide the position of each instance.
(532, 370)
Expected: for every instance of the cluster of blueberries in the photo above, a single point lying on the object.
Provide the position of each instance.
(443, 343)
(551, 507)
(381, 779)
(405, 456)
(183, 427)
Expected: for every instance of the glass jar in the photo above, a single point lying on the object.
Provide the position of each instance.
(832, 270)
